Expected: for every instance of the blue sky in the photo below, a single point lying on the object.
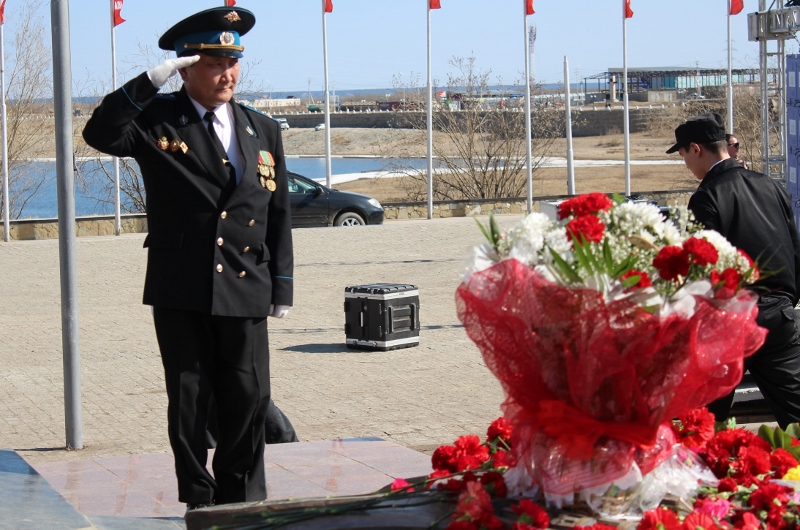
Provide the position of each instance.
(370, 41)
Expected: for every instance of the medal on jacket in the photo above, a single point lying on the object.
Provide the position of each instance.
(163, 143)
(266, 170)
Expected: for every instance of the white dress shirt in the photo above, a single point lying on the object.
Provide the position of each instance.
(223, 124)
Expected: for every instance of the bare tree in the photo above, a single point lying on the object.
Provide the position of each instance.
(29, 125)
(480, 139)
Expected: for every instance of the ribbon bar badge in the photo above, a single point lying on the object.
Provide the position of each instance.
(266, 170)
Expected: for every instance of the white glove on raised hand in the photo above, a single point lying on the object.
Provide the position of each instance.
(278, 311)
(159, 75)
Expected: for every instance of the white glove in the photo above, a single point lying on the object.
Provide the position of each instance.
(159, 75)
(278, 311)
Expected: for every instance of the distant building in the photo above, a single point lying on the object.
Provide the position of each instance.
(667, 83)
(268, 103)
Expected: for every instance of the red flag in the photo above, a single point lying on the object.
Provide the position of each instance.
(736, 6)
(230, 3)
(328, 6)
(117, 15)
(435, 4)
(529, 7)
(628, 10)
(3, 12)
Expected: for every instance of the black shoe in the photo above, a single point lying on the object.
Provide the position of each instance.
(191, 507)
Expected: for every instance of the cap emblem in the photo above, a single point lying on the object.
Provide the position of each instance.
(233, 16)
(226, 38)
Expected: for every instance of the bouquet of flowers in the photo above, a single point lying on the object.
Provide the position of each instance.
(602, 326)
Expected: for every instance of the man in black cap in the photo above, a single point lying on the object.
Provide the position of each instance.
(754, 213)
(220, 256)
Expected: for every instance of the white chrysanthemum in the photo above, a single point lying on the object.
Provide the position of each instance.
(635, 218)
(528, 240)
(672, 235)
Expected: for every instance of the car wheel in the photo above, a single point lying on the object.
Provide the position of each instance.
(349, 219)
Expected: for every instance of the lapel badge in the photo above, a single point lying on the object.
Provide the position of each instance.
(184, 147)
(163, 143)
(249, 131)
(183, 120)
(174, 145)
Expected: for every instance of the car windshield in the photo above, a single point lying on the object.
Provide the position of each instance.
(297, 185)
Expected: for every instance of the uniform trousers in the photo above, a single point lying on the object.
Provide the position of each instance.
(775, 367)
(226, 358)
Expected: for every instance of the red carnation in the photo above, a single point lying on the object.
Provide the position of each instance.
(444, 459)
(671, 262)
(644, 279)
(401, 484)
(695, 429)
(494, 483)
(748, 522)
(725, 284)
(588, 226)
(500, 428)
(475, 505)
(502, 459)
(530, 513)
(466, 453)
(699, 521)
(727, 485)
(782, 461)
(584, 204)
(751, 461)
(659, 519)
(769, 495)
(703, 253)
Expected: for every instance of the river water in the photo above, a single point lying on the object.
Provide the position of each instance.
(44, 204)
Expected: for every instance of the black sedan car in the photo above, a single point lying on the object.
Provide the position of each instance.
(316, 205)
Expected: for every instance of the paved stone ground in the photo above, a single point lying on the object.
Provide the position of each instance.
(418, 397)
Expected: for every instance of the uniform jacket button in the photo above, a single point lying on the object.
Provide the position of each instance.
(220, 241)
(219, 267)
(252, 222)
(223, 215)
(242, 274)
(246, 249)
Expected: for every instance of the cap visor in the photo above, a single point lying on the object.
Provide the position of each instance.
(674, 148)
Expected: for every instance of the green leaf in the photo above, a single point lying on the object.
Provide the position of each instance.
(766, 432)
(795, 452)
(495, 229)
(564, 268)
(793, 429)
(485, 231)
(630, 281)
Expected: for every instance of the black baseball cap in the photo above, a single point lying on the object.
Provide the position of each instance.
(704, 129)
(215, 31)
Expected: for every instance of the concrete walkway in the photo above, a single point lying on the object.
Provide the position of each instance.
(418, 397)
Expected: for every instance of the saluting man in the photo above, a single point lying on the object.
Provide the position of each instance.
(219, 245)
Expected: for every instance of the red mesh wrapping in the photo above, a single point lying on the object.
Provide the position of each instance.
(589, 384)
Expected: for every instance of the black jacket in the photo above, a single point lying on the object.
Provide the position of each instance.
(754, 213)
(230, 257)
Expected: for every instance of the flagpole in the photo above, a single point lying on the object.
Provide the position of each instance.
(568, 110)
(626, 124)
(528, 151)
(117, 216)
(430, 120)
(6, 203)
(730, 74)
(327, 102)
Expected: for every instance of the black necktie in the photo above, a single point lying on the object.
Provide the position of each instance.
(209, 117)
